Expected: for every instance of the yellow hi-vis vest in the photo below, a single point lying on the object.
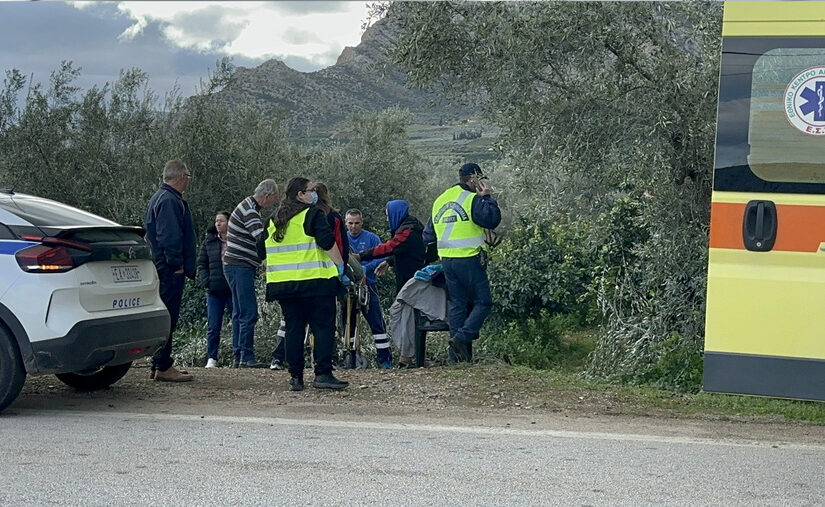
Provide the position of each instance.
(457, 234)
(297, 257)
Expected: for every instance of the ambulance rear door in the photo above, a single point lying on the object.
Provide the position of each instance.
(765, 316)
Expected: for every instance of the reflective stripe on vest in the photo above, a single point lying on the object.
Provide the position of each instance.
(297, 257)
(457, 234)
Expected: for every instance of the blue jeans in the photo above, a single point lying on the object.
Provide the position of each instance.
(468, 295)
(215, 305)
(244, 308)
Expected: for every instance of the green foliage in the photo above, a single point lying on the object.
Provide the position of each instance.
(534, 341)
(377, 165)
(189, 341)
(542, 267)
(608, 116)
(678, 364)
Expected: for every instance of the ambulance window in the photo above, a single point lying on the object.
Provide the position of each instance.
(787, 116)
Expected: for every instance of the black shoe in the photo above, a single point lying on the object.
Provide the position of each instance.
(328, 381)
(235, 362)
(461, 350)
(252, 364)
(296, 384)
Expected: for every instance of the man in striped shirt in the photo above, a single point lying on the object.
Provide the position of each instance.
(240, 263)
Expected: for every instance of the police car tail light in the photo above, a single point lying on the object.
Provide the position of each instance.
(51, 256)
(45, 259)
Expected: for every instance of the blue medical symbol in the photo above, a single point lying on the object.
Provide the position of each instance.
(815, 101)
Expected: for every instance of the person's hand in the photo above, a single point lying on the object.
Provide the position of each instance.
(357, 256)
(483, 187)
(382, 268)
(341, 276)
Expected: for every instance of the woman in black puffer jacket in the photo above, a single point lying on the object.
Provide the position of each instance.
(218, 295)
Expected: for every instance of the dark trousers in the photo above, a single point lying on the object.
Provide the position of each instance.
(278, 353)
(319, 313)
(468, 294)
(171, 293)
(215, 306)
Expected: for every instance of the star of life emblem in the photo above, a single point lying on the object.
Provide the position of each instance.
(805, 101)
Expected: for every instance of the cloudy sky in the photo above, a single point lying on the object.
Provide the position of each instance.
(173, 41)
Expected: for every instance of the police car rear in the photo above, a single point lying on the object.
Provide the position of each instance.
(78, 296)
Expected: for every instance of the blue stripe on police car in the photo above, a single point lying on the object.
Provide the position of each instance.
(12, 247)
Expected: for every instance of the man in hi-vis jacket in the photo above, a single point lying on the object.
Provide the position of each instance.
(459, 216)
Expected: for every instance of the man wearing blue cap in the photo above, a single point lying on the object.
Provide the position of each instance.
(459, 216)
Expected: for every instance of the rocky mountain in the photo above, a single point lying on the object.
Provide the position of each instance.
(361, 80)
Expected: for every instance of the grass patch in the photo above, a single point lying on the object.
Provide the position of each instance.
(570, 392)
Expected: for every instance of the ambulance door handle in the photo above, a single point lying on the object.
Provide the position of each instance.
(759, 226)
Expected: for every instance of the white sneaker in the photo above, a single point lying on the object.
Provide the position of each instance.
(211, 363)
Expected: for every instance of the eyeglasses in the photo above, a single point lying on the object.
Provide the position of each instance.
(188, 174)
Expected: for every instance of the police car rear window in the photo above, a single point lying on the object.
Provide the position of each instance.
(46, 213)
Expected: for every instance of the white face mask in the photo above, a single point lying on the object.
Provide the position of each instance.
(313, 199)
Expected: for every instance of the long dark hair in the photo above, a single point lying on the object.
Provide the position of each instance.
(290, 206)
(324, 199)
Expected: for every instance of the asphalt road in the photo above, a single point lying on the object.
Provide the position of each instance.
(109, 458)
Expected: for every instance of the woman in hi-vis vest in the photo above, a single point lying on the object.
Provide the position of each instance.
(304, 272)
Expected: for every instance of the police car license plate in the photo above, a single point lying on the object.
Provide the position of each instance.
(124, 274)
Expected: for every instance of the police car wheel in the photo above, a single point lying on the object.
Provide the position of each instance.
(12, 371)
(91, 381)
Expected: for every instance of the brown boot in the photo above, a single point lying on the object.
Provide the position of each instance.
(152, 373)
(172, 375)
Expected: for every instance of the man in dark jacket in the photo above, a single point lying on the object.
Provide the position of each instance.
(218, 295)
(170, 232)
(459, 216)
(406, 245)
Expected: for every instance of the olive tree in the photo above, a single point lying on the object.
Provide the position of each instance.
(607, 110)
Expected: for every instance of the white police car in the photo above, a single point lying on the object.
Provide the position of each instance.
(78, 296)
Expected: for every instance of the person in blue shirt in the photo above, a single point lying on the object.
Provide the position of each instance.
(359, 241)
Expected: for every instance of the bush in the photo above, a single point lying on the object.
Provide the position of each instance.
(678, 365)
(543, 268)
(189, 341)
(535, 342)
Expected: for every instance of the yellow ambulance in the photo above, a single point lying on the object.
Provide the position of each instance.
(765, 320)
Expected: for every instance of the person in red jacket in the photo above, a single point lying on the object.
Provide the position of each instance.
(336, 221)
(406, 247)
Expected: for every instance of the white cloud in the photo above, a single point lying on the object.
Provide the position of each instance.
(314, 31)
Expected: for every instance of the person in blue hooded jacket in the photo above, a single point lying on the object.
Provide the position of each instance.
(405, 248)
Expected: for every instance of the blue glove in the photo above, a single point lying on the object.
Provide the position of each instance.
(344, 278)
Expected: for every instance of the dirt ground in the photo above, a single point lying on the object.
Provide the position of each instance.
(491, 396)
